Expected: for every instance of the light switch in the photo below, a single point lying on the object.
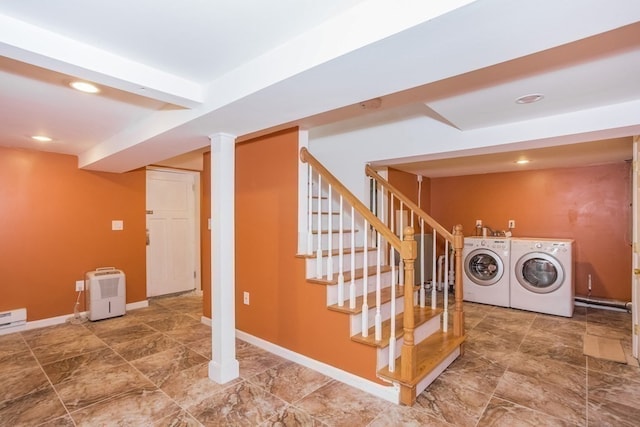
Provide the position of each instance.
(117, 225)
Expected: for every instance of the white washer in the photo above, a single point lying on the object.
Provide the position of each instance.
(542, 276)
(486, 265)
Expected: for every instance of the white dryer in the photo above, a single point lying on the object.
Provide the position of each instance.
(542, 276)
(486, 265)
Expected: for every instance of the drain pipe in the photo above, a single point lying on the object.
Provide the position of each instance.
(603, 302)
(440, 282)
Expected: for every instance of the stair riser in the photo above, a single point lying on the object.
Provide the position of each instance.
(324, 204)
(421, 333)
(335, 240)
(311, 263)
(335, 222)
(332, 290)
(385, 312)
(422, 385)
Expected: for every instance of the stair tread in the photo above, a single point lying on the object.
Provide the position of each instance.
(385, 296)
(422, 315)
(334, 252)
(359, 273)
(431, 352)
(336, 231)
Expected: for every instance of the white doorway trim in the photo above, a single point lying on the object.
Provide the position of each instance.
(635, 250)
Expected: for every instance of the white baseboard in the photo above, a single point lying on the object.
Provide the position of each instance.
(137, 305)
(58, 320)
(12, 329)
(390, 393)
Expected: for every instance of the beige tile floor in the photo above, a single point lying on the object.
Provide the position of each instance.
(149, 368)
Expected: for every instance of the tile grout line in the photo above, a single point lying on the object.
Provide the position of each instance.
(50, 384)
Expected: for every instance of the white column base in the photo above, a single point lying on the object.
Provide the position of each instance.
(222, 374)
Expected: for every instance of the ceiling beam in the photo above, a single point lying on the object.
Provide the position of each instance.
(36, 46)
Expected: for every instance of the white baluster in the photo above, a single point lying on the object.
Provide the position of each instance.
(416, 294)
(392, 334)
(352, 284)
(340, 259)
(422, 295)
(378, 318)
(401, 233)
(434, 295)
(445, 315)
(382, 211)
(319, 248)
(310, 213)
(365, 271)
(330, 236)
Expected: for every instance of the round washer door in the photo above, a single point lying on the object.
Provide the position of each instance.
(539, 272)
(483, 267)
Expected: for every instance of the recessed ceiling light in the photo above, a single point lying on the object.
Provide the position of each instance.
(529, 99)
(522, 161)
(84, 87)
(41, 138)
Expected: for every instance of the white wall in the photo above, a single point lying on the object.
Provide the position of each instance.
(344, 148)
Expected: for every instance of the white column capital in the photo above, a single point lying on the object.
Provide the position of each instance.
(222, 137)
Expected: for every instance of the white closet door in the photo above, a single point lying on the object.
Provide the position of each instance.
(171, 232)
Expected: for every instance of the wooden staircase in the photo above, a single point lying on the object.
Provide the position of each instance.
(413, 346)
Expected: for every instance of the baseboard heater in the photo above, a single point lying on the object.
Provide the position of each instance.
(13, 320)
(604, 302)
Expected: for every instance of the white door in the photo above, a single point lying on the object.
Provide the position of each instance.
(171, 232)
(635, 274)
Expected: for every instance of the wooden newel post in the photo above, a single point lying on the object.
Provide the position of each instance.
(408, 251)
(458, 245)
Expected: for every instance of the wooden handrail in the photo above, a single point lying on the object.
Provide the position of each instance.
(380, 227)
(456, 238)
(422, 214)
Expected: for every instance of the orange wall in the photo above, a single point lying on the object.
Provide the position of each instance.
(205, 234)
(407, 184)
(284, 309)
(56, 226)
(588, 204)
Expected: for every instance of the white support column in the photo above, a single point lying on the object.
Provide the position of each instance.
(223, 366)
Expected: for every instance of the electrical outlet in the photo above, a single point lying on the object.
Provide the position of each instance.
(512, 223)
(79, 285)
(478, 223)
(246, 298)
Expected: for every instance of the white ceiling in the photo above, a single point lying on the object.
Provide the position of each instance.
(173, 73)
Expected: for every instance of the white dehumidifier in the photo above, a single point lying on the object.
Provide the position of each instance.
(105, 293)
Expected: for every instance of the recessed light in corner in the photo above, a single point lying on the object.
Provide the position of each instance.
(41, 138)
(529, 99)
(84, 87)
(522, 161)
